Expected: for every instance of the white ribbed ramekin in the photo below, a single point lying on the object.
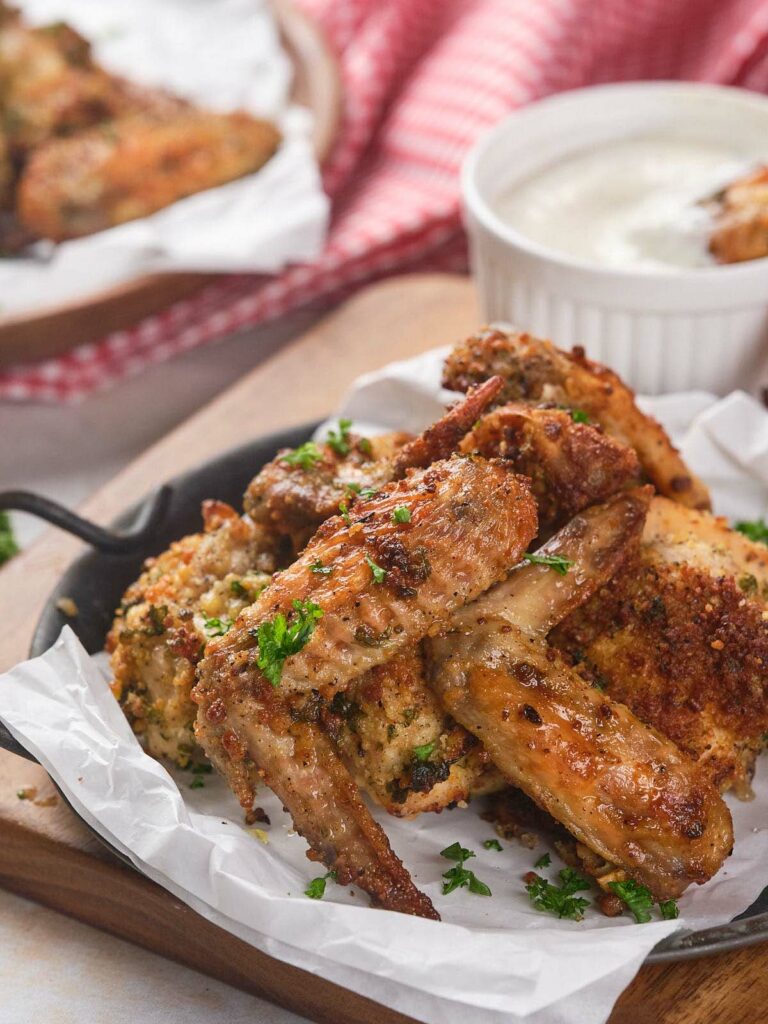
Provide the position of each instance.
(660, 330)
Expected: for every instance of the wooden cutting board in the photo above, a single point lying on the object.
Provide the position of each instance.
(47, 855)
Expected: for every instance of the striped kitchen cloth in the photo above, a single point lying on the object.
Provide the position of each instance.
(422, 79)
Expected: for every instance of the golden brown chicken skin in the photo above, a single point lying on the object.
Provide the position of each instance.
(681, 638)
(134, 166)
(391, 583)
(621, 788)
(537, 372)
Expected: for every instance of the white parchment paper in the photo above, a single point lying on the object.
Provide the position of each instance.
(490, 960)
(224, 55)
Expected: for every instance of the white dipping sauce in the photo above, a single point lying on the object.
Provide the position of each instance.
(632, 204)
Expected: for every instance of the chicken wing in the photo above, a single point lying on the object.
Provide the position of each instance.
(740, 211)
(135, 165)
(391, 582)
(191, 592)
(537, 372)
(571, 465)
(621, 788)
(681, 638)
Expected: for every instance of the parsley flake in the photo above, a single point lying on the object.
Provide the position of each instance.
(339, 439)
(669, 910)
(321, 570)
(379, 574)
(344, 512)
(218, 627)
(636, 897)
(197, 783)
(307, 456)
(458, 877)
(560, 564)
(8, 545)
(401, 514)
(544, 861)
(492, 844)
(424, 751)
(278, 640)
(756, 530)
(559, 899)
(238, 589)
(579, 416)
(316, 888)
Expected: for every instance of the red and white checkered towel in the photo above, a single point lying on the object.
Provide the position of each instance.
(422, 80)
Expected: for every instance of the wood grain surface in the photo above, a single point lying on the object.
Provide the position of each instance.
(47, 855)
(48, 332)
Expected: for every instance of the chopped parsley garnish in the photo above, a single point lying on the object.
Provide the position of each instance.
(756, 530)
(579, 416)
(636, 897)
(316, 888)
(307, 456)
(379, 574)
(197, 783)
(492, 844)
(365, 446)
(544, 861)
(559, 899)
(459, 877)
(217, 627)
(401, 514)
(560, 564)
(238, 589)
(321, 570)
(669, 910)
(424, 751)
(278, 640)
(339, 439)
(8, 545)
(202, 769)
(368, 492)
(344, 512)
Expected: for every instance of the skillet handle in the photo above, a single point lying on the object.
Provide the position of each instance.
(153, 514)
(7, 742)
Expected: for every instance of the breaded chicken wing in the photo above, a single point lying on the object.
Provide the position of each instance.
(621, 788)
(535, 371)
(191, 592)
(681, 638)
(135, 165)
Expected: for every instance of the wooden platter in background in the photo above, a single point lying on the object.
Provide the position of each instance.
(50, 331)
(48, 855)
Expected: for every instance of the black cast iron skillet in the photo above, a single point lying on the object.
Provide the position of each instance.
(97, 580)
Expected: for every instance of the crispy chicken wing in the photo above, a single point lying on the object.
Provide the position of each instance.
(621, 788)
(570, 464)
(681, 638)
(191, 592)
(293, 496)
(136, 165)
(535, 371)
(391, 582)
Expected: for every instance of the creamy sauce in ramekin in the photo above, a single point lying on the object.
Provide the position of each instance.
(634, 204)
